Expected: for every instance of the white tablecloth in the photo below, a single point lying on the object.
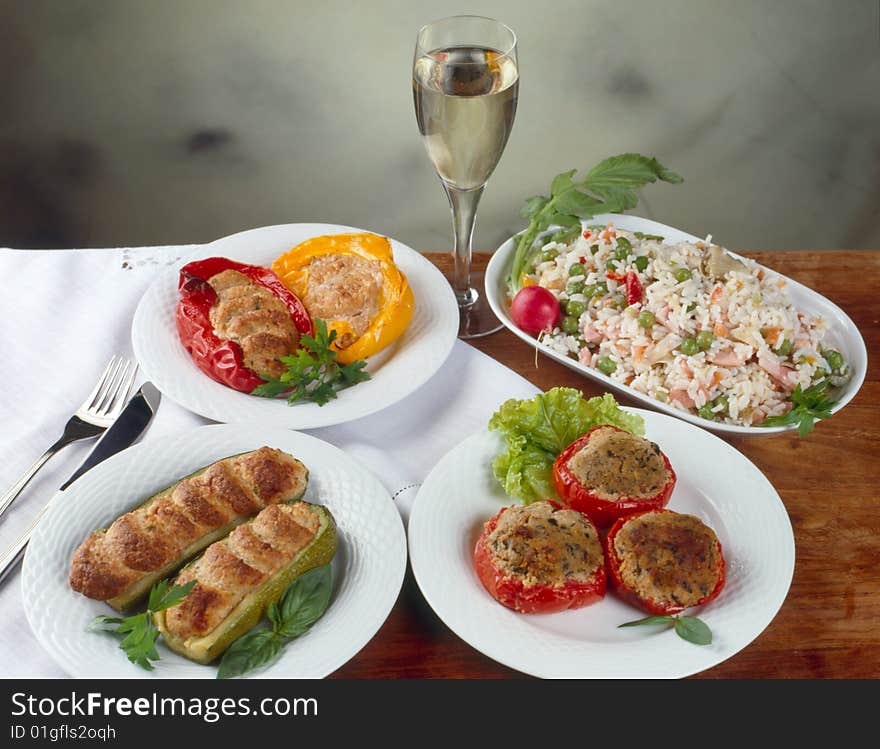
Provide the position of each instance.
(66, 312)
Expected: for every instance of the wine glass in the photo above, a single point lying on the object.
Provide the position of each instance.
(465, 88)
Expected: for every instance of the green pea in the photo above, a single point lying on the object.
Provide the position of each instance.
(706, 412)
(611, 264)
(594, 248)
(784, 348)
(577, 269)
(689, 346)
(641, 262)
(575, 287)
(704, 339)
(682, 275)
(605, 365)
(721, 400)
(646, 319)
(595, 289)
(834, 359)
(624, 245)
(548, 255)
(575, 309)
(819, 374)
(570, 324)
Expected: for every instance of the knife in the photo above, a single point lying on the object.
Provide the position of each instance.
(124, 431)
(120, 434)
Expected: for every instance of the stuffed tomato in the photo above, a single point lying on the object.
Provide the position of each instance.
(541, 558)
(664, 561)
(610, 473)
(237, 321)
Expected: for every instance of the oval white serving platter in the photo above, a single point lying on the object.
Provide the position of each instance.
(716, 483)
(842, 333)
(368, 567)
(396, 372)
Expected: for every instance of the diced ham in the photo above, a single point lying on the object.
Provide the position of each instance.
(771, 364)
(681, 396)
(727, 357)
(591, 335)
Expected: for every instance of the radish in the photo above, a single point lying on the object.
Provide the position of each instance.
(534, 309)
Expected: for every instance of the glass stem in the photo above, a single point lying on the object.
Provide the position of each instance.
(464, 212)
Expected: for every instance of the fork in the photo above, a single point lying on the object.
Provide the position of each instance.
(96, 413)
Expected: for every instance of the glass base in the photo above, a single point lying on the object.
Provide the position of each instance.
(477, 318)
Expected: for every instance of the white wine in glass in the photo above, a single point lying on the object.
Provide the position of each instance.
(465, 88)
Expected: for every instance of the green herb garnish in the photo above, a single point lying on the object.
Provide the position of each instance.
(139, 643)
(609, 187)
(810, 405)
(686, 627)
(302, 604)
(313, 374)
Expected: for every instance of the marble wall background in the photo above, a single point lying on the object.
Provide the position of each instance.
(136, 122)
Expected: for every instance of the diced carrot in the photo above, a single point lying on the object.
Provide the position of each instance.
(771, 335)
(720, 330)
(716, 294)
(639, 353)
(717, 377)
(760, 274)
(526, 281)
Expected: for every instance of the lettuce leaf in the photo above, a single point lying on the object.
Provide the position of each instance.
(537, 430)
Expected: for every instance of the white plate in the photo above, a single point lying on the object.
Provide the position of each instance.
(715, 483)
(368, 568)
(396, 372)
(842, 333)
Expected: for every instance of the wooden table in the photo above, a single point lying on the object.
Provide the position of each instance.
(829, 626)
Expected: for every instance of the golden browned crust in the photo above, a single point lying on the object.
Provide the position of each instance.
(668, 557)
(615, 464)
(253, 317)
(545, 546)
(153, 536)
(237, 565)
(344, 287)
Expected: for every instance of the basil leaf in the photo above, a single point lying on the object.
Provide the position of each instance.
(305, 601)
(256, 649)
(693, 630)
(648, 620)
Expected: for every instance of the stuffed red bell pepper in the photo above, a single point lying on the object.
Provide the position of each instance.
(541, 558)
(236, 320)
(609, 473)
(664, 562)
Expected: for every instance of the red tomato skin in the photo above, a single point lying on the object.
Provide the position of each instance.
(535, 310)
(651, 605)
(603, 512)
(537, 599)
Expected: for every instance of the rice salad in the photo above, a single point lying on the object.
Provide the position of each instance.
(685, 323)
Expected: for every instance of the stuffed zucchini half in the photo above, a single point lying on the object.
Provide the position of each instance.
(121, 563)
(238, 577)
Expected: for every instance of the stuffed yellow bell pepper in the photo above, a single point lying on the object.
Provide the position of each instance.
(351, 282)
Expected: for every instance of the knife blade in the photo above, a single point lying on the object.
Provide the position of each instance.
(122, 433)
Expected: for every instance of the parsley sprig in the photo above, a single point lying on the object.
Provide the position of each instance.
(139, 643)
(609, 187)
(686, 627)
(313, 374)
(810, 405)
